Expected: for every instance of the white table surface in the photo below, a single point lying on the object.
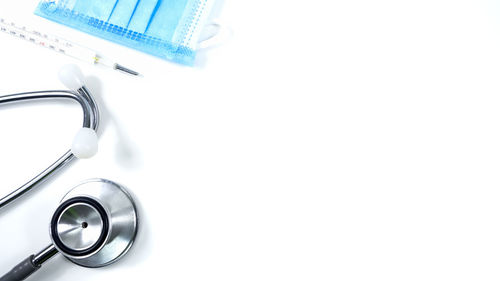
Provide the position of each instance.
(321, 140)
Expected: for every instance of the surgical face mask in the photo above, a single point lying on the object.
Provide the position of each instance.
(168, 29)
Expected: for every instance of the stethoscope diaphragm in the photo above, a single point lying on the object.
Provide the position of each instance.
(79, 227)
(100, 243)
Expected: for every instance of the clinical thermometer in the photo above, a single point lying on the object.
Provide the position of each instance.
(60, 45)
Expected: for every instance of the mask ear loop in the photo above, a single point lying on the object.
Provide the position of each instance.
(212, 35)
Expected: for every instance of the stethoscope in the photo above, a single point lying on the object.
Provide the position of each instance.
(96, 222)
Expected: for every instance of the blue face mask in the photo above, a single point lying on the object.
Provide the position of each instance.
(169, 29)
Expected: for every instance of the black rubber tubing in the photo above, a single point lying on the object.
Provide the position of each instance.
(21, 271)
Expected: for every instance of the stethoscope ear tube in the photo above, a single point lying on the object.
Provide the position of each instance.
(73, 78)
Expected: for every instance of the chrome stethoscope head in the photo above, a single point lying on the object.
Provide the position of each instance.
(95, 225)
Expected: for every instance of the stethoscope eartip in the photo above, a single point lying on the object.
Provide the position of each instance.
(71, 76)
(85, 143)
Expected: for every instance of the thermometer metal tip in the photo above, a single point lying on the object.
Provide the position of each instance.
(126, 70)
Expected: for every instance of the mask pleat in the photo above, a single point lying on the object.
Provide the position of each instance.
(166, 19)
(141, 17)
(122, 12)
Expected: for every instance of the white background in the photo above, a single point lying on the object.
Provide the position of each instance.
(320, 140)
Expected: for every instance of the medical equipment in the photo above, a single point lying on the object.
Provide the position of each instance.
(85, 141)
(94, 226)
(60, 45)
(169, 29)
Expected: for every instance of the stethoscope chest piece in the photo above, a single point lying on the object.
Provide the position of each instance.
(95, 224)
